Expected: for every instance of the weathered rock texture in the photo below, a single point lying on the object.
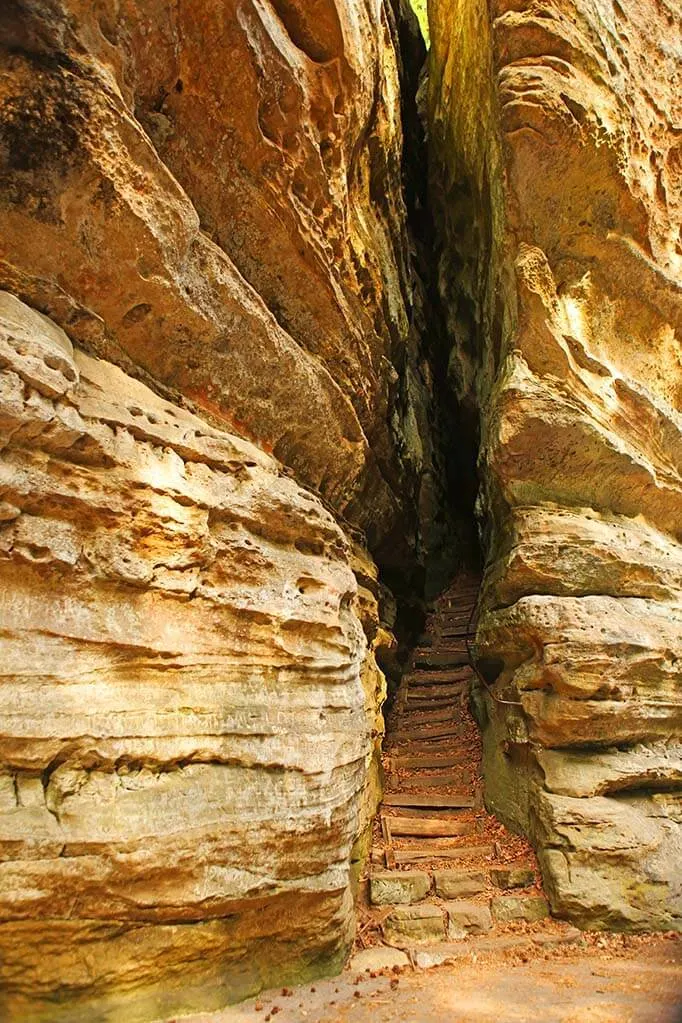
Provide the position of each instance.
(188, 699)
(555, 131)
(206, 201)
(209, 195)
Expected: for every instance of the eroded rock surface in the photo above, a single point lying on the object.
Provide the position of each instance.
(556, 125)
(209, 195)
(188, 697)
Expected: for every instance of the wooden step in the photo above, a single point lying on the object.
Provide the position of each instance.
(410, 746)
(452, 680)
(429, 781)
(431, 851)
(439, 658)
(421, 697)
(427, 827)
(417, 679)
(416, 716)
(456, 618)
(450, 703)
(445, 730)
(417, 763)
(434, 801)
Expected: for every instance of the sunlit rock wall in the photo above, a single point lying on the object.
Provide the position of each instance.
(188, 700)
(209, 195)
(557, 173)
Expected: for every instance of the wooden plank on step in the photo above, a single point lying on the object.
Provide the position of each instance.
(440, 852)
(451, 705)
(407, 763)
(436, 701)
(440, 658)
(429, 827)
(427, 694)
(438, 678)
(431, 692)
(428, 781)
(446, 730)
(418, 713)
(426, 746)
(432, 676)
(434, 801)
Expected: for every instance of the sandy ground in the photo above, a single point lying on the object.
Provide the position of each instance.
(593, 985)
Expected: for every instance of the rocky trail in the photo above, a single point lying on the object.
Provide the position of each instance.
(444, 872)
(453, 923)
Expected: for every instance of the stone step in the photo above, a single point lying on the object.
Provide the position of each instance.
(427, 827)
(431, 851)
(426, 956)
(507, 908)
(459, 884)
(398, 887)
(513, 877)
(430, 800)
(407, 924)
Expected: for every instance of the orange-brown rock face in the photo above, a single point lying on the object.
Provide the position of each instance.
(557, 126)
(210, 194)
(187, 700)
(204, 199)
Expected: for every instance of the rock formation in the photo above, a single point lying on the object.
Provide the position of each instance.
(206, 201)
(188, 699)
(558, 177)
(222, 427)
(209, 195)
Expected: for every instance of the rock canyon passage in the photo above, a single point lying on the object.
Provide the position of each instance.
(340, 510)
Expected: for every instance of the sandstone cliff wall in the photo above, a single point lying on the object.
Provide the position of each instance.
(188, 699)
(557, 173)
(209, 195)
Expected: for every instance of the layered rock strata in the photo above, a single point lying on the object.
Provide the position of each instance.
(558, 176)
(210, 196)
(188, 706)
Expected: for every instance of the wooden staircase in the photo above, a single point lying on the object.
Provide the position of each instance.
(442, 869)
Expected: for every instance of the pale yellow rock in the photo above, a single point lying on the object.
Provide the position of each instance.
(565, 309)
(188, 699)
(231, 228)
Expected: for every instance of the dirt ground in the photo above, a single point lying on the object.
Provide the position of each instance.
(611, 980)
